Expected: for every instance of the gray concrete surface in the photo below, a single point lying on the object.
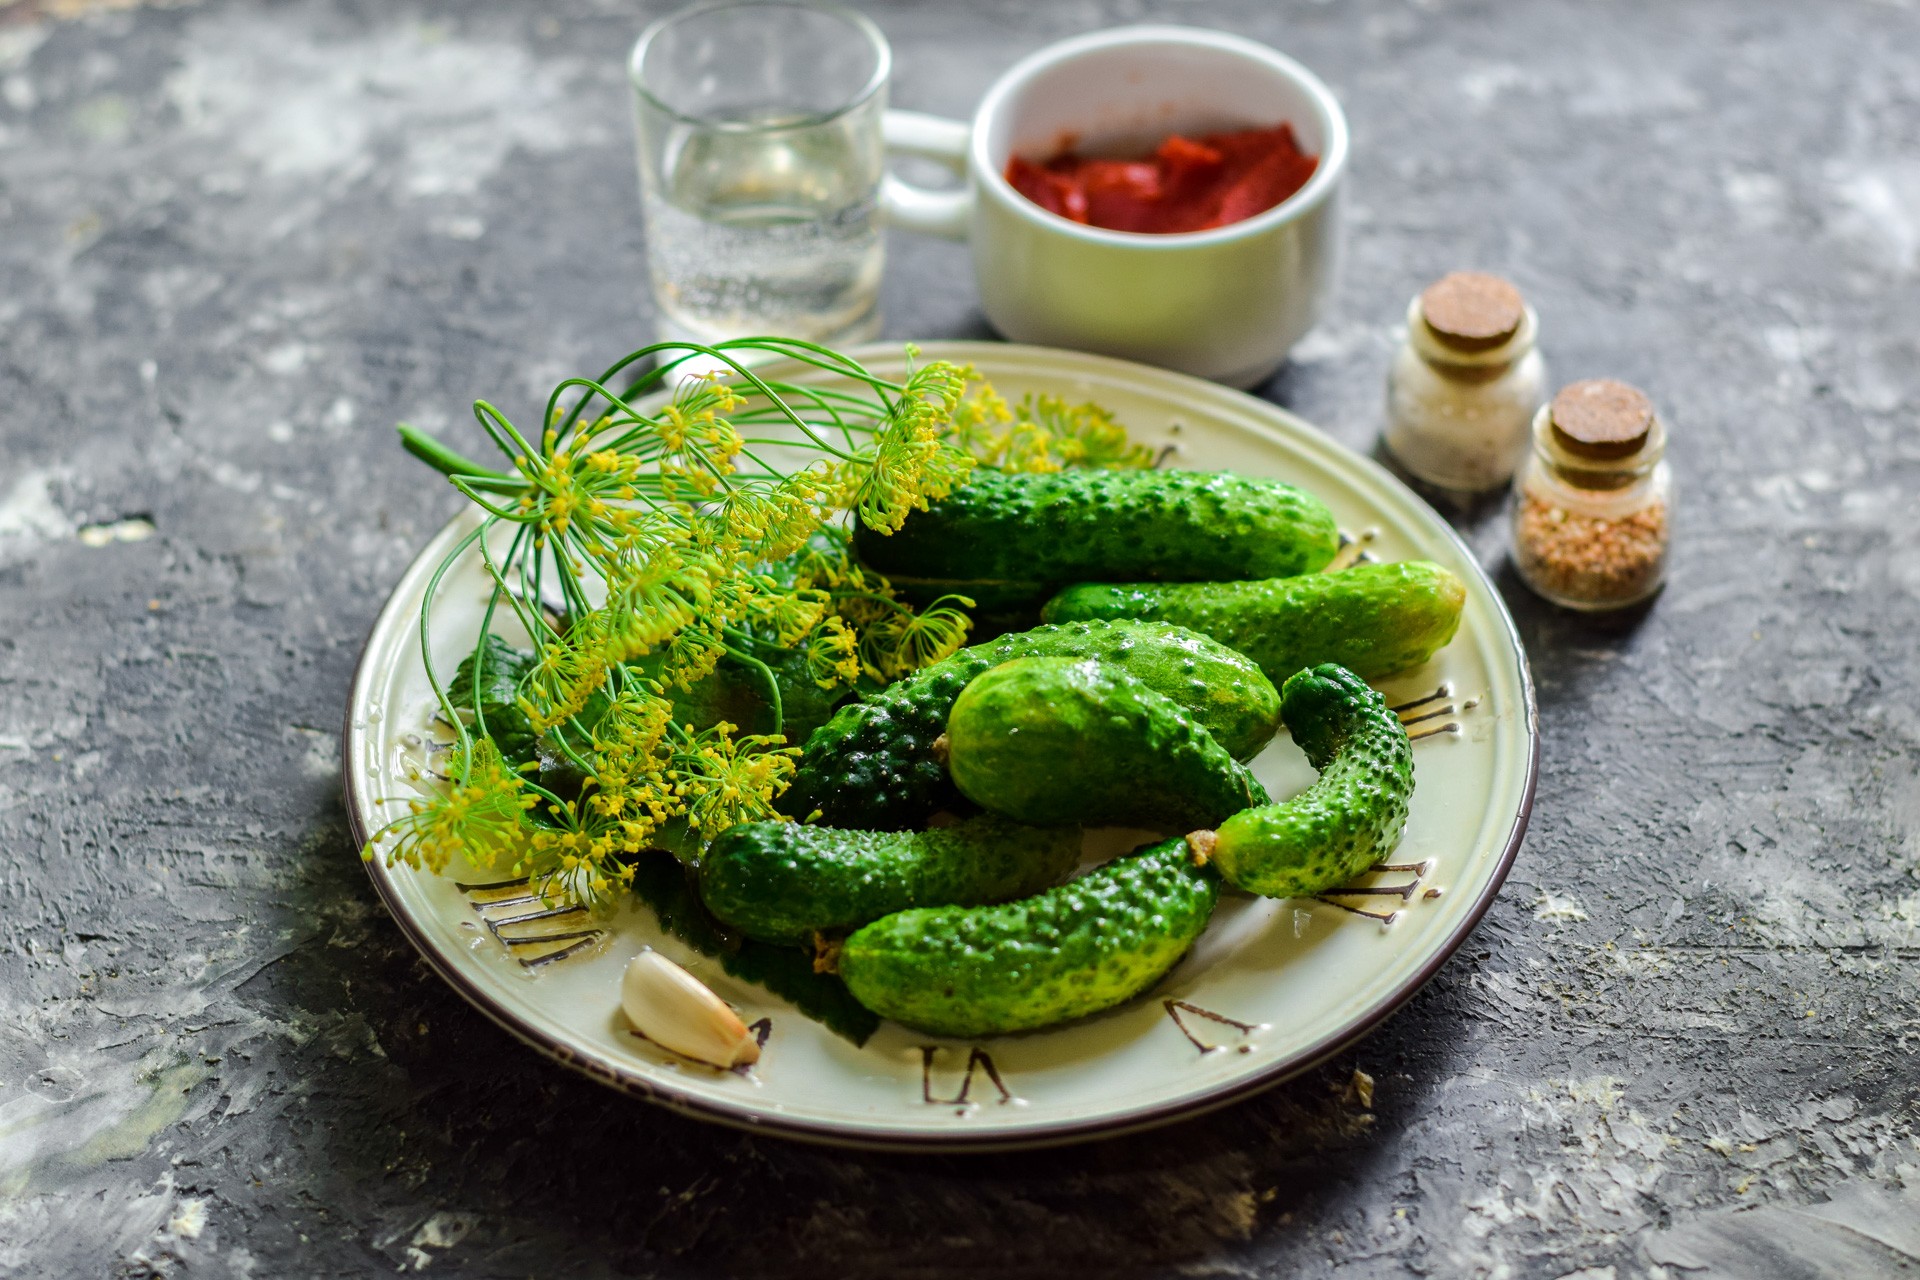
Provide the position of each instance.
(238, 242)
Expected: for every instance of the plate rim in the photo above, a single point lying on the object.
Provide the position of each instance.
(826, 1133)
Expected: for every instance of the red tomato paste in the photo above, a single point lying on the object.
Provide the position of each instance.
(1187, 184)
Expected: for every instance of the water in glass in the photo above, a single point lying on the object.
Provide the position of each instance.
(760, 166)
(768, 230)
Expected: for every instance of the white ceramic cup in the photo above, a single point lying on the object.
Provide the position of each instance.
(1225, 304)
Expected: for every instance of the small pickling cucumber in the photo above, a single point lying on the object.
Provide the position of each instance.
(784, 882)
(1064, 740)
(1374, 619)
(1065, 953)
(1345, 822)
(874, 763)
(1009, 528)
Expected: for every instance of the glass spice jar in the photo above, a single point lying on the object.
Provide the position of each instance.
(1591, 502)
(1463, 387)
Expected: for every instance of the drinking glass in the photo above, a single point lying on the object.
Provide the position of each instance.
(761, 159)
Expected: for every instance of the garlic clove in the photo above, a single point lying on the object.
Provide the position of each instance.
(678, 1012)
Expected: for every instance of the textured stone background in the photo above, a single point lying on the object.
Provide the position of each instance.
(238, 242)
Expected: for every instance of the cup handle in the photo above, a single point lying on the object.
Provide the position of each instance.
(938, 213)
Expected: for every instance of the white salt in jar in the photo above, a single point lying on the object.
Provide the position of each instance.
(1463, 388)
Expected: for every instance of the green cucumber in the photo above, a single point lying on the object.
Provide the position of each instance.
(874, 764)
(1004, 529)
(992, 596)
(1066, 740)
(665, 884)
(1374, 619)
(784, 882)
(1345, 822)
(1065, 953)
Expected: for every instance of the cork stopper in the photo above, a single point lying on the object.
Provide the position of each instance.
(1472, 311)
(1601, 418)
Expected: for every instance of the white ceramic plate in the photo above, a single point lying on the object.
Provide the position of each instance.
(1273, 987)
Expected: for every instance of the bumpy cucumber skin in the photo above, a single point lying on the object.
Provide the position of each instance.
(873, 764)
(1071, 526)
(1065, 953)
(783, 882)
(1061, 740)
(1373, 619)
(1345, 822)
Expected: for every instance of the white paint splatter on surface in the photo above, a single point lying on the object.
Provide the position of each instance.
(28, 513)
(1556, 906)
(1759, 199)
(326, 109)
(1877, 209)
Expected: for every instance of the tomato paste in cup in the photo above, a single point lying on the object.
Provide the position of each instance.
(1187, 184)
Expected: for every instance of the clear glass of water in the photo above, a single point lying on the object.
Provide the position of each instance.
(761, 158)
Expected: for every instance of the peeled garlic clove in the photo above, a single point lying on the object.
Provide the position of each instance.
(677, 1011)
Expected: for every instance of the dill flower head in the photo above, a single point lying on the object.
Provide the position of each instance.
(481, 813)
(902, 641)
(833, 654)
(570, 669)
(788, 614)
(725, 780)
(650, 599)
(1044, 434)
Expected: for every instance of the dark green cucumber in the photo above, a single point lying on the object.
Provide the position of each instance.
(1065, 740)
(1345, 822)
(989, 595)
(1009, 528)
(665, 884)
(1065, 953)
(784, 882)
(874, 764)
(1375, 619)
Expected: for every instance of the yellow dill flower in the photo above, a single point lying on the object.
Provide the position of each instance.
(483, 816)
(650, 599)
(942, 470)
(833, 654)
(570, 669)
(792, 516)
(689, 658)
(1085, 435)
(977, 416)
(728, 780)
(940, 384)
(631, 729)
(789, 613)
(1044, 434)
(887, 481)
(904, 641)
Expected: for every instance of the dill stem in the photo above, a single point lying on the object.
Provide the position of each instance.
(449, 463)
(761, 669)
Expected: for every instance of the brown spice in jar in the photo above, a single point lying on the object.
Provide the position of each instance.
(1591, 558)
